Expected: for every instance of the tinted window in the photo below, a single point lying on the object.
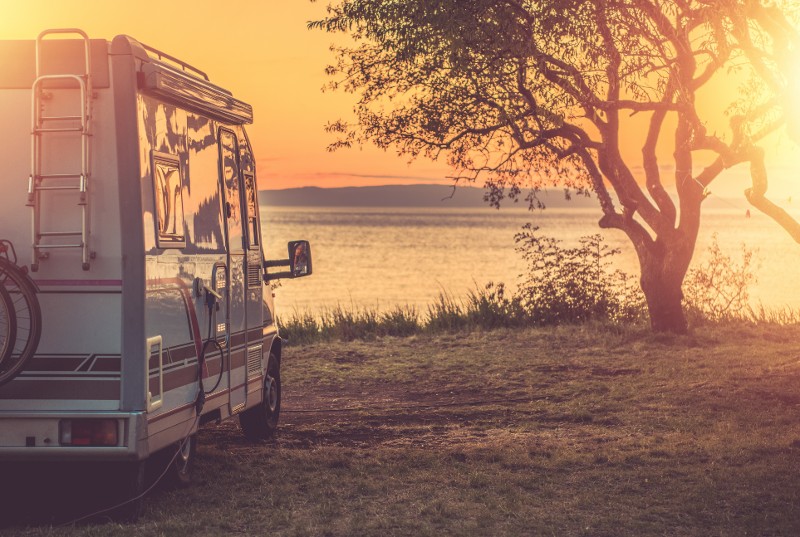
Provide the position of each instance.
(229, 174)
(168, 192)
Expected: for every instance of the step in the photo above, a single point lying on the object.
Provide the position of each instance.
(59, 129)
(60, 234)
(60, 176)
(58, 188)
(54, 246)
(60, 118)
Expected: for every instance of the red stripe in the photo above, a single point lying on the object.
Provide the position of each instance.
(79, 283)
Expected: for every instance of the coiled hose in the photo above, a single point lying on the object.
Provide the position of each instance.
(210, 342)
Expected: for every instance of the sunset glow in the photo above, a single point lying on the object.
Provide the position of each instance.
(264, 53)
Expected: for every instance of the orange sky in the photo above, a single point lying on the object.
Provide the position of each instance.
(263, 52)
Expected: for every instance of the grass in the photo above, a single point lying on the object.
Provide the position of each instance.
(583, 430)
(484, 308)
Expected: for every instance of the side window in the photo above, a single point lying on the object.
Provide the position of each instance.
(168, 196)
(252, 210)
(230, 177)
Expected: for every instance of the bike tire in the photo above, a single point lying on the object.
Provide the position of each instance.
(8, 325)
(28, 318)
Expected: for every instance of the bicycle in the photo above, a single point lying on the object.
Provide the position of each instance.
(20, 315)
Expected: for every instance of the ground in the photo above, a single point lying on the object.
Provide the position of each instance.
(586, 430)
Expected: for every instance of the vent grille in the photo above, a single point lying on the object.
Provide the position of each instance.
(253, 275)
(254, 362)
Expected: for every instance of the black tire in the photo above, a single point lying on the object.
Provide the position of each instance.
(261, 421)
(28, 316)
(131, 485)
(181, 464)
(8, 325)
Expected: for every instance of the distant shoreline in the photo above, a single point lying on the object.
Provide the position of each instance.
(431, 196)
(424, 195)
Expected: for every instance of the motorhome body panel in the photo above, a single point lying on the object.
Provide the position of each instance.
(77, 365)
(122, 340)
(208, 246)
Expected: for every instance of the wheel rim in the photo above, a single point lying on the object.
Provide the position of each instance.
(272, 394)
(184, 455)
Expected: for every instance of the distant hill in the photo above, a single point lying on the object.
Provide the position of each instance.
(434, 196)
(403, 196)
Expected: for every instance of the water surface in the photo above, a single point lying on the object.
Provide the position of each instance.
(380, 257)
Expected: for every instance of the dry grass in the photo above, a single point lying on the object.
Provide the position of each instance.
(558, 431)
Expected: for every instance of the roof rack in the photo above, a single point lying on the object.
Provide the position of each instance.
(180, 63)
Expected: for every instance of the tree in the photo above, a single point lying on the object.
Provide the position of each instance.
(525, 94)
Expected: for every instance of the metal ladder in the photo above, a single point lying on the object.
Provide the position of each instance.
(40, 183)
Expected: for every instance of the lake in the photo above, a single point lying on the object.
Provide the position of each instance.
(382, 257)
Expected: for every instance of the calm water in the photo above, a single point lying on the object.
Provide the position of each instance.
(380, 257)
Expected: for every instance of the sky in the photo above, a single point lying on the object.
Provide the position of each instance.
(263, 52)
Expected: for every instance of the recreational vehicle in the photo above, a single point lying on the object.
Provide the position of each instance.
(135, 303)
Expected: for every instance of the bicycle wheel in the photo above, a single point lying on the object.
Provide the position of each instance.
(8, 325)
(28, 317)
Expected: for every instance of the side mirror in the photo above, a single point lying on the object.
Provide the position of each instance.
(300, 258)
(299, 262)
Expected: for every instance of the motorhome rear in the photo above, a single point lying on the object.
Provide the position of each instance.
(129, 193)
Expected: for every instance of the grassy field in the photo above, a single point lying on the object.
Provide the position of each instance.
(558, 431)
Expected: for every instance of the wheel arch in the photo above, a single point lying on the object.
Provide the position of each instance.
(276, 347)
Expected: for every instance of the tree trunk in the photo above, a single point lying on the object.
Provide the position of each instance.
(661, 283)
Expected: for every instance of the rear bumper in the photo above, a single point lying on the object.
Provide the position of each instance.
(35, 436)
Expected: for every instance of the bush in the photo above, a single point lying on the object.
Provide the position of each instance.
(719, 289)
(574, 284)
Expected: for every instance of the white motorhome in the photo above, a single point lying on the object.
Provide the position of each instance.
(129, 194)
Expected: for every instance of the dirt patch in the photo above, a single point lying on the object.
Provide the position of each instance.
(377, 415)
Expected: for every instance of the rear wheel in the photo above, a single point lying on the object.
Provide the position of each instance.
(261, 421)
(130, 487)
(182, 463)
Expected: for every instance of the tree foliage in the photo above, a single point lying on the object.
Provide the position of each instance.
(524, 94)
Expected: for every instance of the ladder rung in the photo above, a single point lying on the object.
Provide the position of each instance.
(58, 188)
(60, 118)
(59, 176)
(49, 246)
(59, 129)
(60, 233)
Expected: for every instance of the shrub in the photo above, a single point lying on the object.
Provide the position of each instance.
(574, 284)
(719, 289)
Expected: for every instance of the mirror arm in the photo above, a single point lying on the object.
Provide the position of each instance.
(277, 275)
(277, 263)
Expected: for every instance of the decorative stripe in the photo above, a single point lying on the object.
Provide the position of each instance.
(61, 388)
(72, 363)
(79, 283)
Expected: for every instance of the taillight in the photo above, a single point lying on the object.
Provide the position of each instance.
(88, 432)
